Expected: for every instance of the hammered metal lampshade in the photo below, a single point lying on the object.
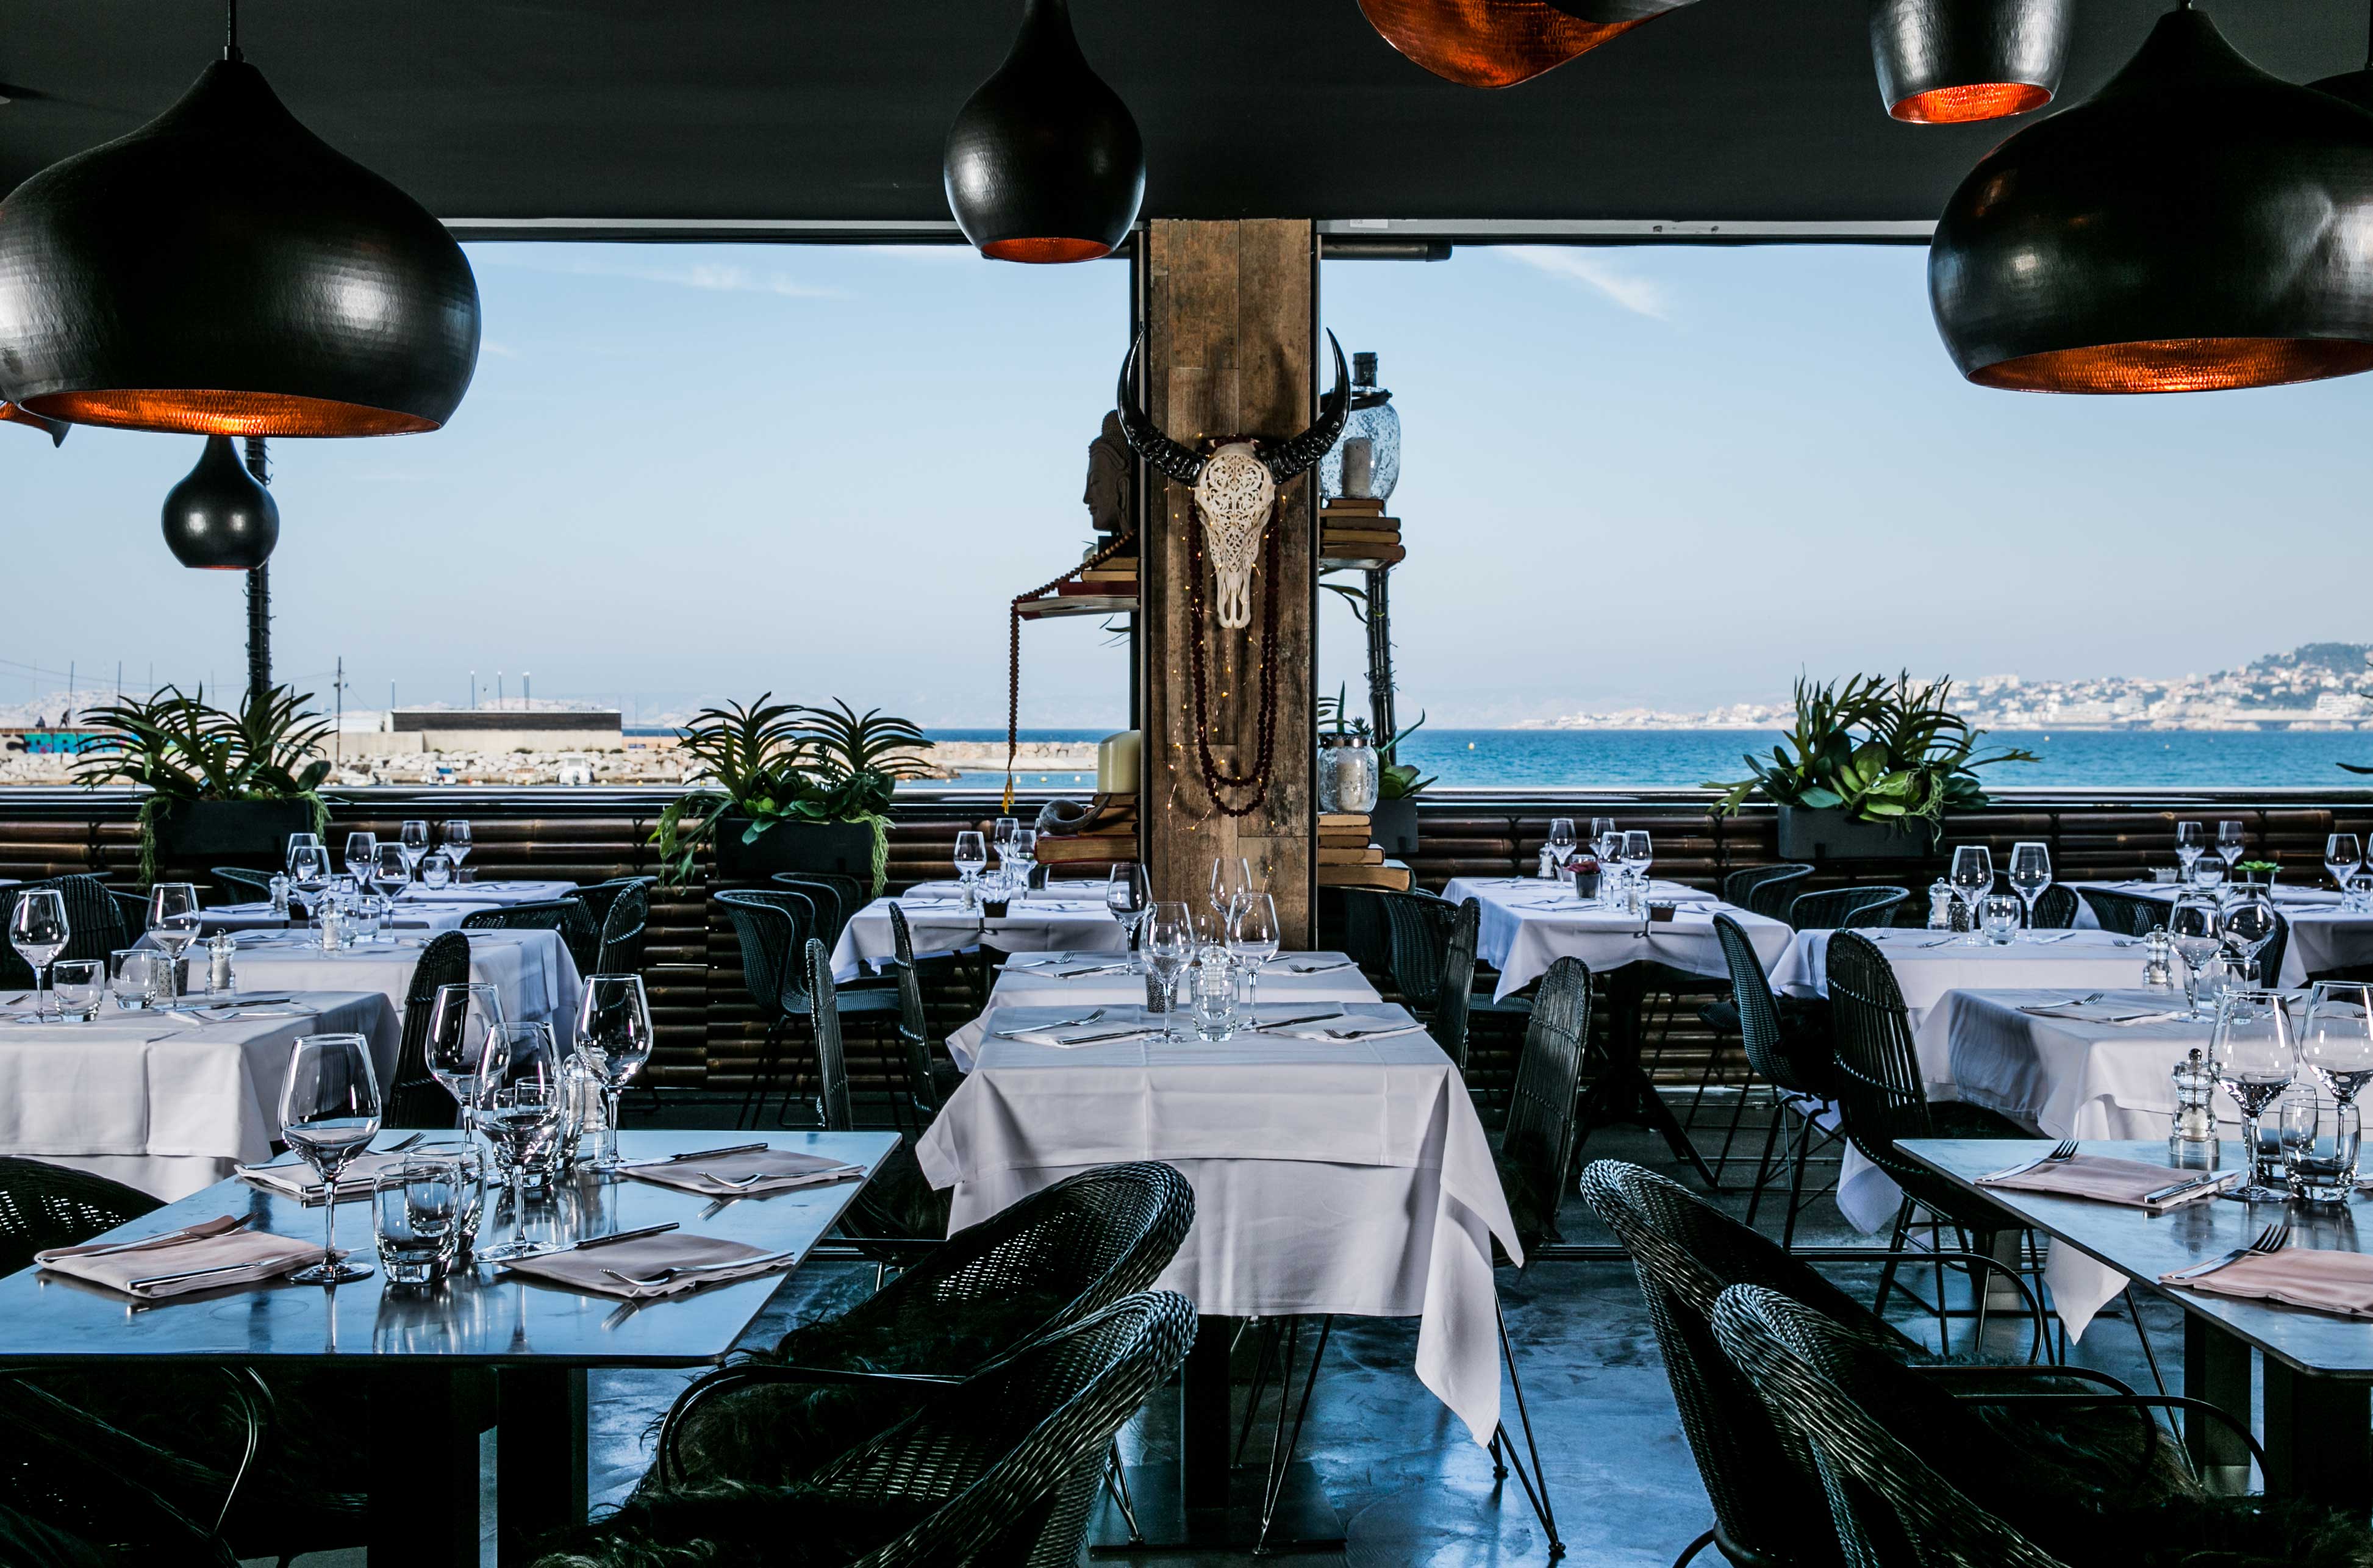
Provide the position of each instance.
(218, 518)
(1946, 62)
(2196, 225)
(1497, 44)
(1044, 163)
(222, 270)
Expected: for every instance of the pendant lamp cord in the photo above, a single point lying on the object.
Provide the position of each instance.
(230, 29)
(2368, 38)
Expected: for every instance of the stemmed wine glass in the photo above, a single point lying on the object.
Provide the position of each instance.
(2228, 845)
(174, 923)
(2254, 1060)
(2196, 927)
(391, 876)
(1169, 948)
(1231, 876)
(1128, 896)
(455, 834)
(362, 854)
(2341, 858)
(522, 1102)
(1612, 870)
(1021, 854)
(329, 1114)
(613, 1039)
(972, 859)
(2336, 1036)
(1560, 840)
(2251, 922)
(1973, 877)
(39, 931)
(413, 835)
(1639, 854)
(2190, 843)
(298, 841)
(309, 872)
(2030, 874)
(1000, 839)
(460, 1020)
(1253, 939)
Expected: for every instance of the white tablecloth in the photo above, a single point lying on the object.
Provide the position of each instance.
(160, 1104)
(1329, 1178)
(1044, 921)
(410, 915)
(1528, 925)
(2323, 936)
(532, 971)
(490, 892)
(1035, 985)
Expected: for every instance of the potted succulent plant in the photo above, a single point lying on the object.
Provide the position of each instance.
(223, 787)
(786, 788)
(1869, 771)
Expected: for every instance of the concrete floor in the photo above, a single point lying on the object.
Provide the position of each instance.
(1410, 1487)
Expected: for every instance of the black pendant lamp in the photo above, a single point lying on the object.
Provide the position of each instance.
(1946, 62)
(222, 270)
(2356, 86)
(1498, 43)
(218, 518)
(2196, 225)
(12, 414)
(1044, 163)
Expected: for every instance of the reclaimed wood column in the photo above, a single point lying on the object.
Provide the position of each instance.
(1230, 313)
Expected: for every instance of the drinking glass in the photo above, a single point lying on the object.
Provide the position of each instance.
(460, 1020)
(37, 930)
(135, 975)
(1128, 896)
(2342, 856)
(454, 836)
(1561, 839)
(2190, 842)
(2000, 913)
(78, 984)
(298, 841)
(412, 837)
(1639, 854)
(972, 859)
(1169, 948)
(2030, 874)
(1253, 939)
(2254, 1057)
(2228, 844)
(1213, 985)
(1022, 853)
(2336, 1036)
(173, 925)
(1604, 833)
(436, 871)
(1610, 870)
(390, 874)
(2358, 897)
(2251, 923)
(416, 1216)
(2196, 927)
(468, 1158)
(614, 1038)
(1000, 839)
(329, 1112)
(1973, 878)
(2319, 1141)
(362, 854)
(523, 1100)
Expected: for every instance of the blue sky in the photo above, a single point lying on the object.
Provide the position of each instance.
(1665, 476)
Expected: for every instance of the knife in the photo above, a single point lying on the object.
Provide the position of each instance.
(2210, 1179)
(205, 1231)
(271, 1266)
(698, 1154)
(659, 1229)
(1289, 1022)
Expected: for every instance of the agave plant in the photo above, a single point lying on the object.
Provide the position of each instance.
(181, 747)
(1879, 750)
(1395, 780)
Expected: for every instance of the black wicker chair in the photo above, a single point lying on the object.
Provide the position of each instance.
(1001, 1468)
(897, 1205)
(568, 916)
(239, 885)
(1764, 890)
(1051, 1260)
(94, 924)
(926, 1088)
(836, 896)
(624, 926)
(772, 927)
(2127, 914)
(598, 896)
(1845, 908)
(414, 1099)
(1432, 943)
(1787, 1045)
(2056, 909)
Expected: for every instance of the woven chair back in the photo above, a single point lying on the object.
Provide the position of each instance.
(1454, 994)
(598, 896)
(1758, 1017)
(414, 1099)
(832, 1060)
(1845, 908)
(914, 1024)
(2056, 909)
(566, 916)
(94, 925)
(1881, 1094)
(836, 898)
(1537, 1145)
(772, 930)
(625, 926)
(2123, 913)
(1765, 890)
(44, 1206)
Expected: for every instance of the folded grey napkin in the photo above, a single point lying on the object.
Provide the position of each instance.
(173, 1267)
(296, 1179)
(652, 1266)
(2128, 1183)
(727, 1175)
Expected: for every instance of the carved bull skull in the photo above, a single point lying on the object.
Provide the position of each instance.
(1235, 479)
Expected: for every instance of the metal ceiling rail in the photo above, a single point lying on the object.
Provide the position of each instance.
(1382, 238)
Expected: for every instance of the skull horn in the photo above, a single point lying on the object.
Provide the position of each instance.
(1144, 437)
(1292, 457)
(16, 414)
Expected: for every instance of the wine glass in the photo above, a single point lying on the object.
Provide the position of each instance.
(2254, 1060)
(1973, 877)
(362, 854)
(460, 1020)
(1231, 876)
(455, 836)
(2251, 922)
(1022, 853)
(2030, 874)
(1561, 840)
(1604, 833)
(1611, 872)
(2342, 856)
(972, 859)
(522, 1102)
(1128, 896)
(2190, 843)
(413, 835)
(2336, 1036)
(1253, 938)
(2196, 927)
(298, 841)
(2228, 844)
(39, 931)
(1169, 948)
(309, 874)
(173, 925)
(1000, 839)
(614, 1038)
(389, 871)
(1639, 854)
(329, 1112)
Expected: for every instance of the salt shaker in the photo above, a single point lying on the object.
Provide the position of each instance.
(1943, 904)
(2158, 960)
(1549, 865)
(279, 896)
(2195, 1120)
(220, 978)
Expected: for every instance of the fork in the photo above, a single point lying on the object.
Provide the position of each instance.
(2273, 1239)
(2061, 1152)
(665, 1276)
(1058, 1023)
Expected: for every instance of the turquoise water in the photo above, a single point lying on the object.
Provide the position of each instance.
(1523, 759)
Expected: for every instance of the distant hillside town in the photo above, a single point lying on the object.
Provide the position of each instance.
(2319, 686)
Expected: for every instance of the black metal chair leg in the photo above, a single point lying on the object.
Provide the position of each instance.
(1542, 1510)
(1894, 1257)
(1116, 1484)
(1691, 1549)
(1801, 1153)
(1763, 1165)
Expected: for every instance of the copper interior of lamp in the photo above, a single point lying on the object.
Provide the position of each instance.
(1050, 250)
(2181, 364)
(1486, 43)
(201, 413)
(1976, 101)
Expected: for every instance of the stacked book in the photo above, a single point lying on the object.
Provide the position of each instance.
(1347, 858)
(1112, 840)
(1117, 576)
(1355, 528)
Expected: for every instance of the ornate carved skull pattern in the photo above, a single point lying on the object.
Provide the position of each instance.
(1233, 497)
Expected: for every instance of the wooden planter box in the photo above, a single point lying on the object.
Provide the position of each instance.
(843, 846)
(1830, 835)
(1394, 824)
(246, 833)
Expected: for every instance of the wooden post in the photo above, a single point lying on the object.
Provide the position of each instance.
(1231, 312)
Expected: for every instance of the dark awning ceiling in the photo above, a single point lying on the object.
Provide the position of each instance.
(1753, 110)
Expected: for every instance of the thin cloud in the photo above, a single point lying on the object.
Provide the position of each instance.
(723, 277)
(1641, 296)
(499, 350)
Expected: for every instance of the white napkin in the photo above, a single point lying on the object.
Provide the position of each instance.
(2103, 1012)
(245, 1257)
(722, 1176)
(296, 1179)
(594, 1269)
(1334, 1030)
(1067, 1037)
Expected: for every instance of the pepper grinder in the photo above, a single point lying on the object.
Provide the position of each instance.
(220, 981)
(2158, 960)
(2195, 1119)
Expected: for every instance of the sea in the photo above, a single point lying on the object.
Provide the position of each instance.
(1550, 759)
